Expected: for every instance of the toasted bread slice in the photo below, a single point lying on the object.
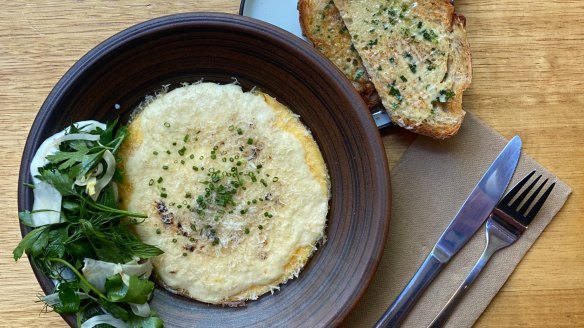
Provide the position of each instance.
(322, 24)
(418, 58)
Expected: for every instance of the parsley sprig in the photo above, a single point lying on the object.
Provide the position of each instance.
(93, 229)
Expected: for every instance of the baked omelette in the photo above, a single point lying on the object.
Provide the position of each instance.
(234, 186)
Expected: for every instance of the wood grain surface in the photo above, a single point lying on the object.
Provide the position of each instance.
(528, 62)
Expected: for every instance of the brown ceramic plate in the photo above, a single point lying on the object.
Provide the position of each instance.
(221, 48)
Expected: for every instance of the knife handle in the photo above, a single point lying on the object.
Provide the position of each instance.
(396, 313)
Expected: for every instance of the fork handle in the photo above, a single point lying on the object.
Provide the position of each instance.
(450, 306)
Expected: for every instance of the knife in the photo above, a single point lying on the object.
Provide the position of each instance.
(466, 222)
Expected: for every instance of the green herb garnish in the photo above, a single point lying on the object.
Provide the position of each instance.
(90, 227)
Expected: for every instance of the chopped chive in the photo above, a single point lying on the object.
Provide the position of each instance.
(412, 68)
(166, 124)
(182, 151)
(249, 141)
(151, 182)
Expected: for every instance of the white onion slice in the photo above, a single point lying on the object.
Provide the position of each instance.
(83, 180)
(141, 310)
(96, 271)
(47, 200)
(53, 299)
(104, 318)
(110, 160)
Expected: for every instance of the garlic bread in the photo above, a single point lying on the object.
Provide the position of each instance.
(417, 56)
(322, 24)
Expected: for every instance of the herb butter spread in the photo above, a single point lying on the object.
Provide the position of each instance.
(234, 186)
(417, 56)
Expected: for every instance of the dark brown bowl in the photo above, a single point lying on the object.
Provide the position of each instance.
(221, 48)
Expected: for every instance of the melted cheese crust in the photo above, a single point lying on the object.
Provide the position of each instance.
(234, 186)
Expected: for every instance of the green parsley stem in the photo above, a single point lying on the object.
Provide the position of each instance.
(104, 208)
(79, 275)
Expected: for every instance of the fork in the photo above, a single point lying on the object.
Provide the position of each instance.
(505, 225)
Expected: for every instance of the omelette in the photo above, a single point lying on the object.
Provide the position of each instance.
(235, 188)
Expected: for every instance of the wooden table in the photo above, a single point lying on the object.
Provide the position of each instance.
(528, 59)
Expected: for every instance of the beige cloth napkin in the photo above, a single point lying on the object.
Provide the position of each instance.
(429, 184)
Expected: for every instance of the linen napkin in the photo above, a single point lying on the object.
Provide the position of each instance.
(429, 184)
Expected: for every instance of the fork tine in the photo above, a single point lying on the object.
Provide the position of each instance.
(524, 194)
(528, 202)
(539, 203)
(516, 189)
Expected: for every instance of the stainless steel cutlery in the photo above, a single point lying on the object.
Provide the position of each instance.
(505, 225)
(463, 226)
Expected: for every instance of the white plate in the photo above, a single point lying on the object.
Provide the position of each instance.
(282, 13)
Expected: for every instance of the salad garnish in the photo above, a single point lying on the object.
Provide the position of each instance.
(80, 239)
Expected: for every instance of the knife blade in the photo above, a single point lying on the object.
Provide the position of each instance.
(470, 217)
